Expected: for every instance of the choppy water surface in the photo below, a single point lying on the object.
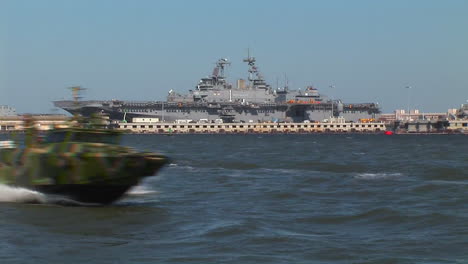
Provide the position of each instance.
(265, 199)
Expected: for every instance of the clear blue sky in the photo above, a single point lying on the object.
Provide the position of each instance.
(138, 50)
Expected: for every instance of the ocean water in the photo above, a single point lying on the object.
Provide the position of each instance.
(263, 199)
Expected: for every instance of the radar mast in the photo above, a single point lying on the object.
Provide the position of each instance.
(76, 92)
(255, 77)
(218, 71)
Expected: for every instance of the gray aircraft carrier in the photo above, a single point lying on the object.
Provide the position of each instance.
(214, 99)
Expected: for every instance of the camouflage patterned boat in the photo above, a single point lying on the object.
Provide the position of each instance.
(86, 165)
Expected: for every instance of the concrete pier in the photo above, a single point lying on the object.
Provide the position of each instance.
(220, 128)
(46, 122)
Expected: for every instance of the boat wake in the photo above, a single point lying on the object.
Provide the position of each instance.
(9, 194)
(140, 190)
(374, 176)
(20, 195)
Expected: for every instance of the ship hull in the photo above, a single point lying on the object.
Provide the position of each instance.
(170, 112)
(74, 171)
(85, 193)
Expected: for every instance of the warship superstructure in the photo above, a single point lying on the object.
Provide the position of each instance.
(214, 99)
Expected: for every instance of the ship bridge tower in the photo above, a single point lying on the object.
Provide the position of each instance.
(255, 77)
(217, 80)
(218, 71)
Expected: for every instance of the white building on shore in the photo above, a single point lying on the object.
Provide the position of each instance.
(6, 110)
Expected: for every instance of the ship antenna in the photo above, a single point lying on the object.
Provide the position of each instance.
(286, 82)
(252, 68)
(76, 92)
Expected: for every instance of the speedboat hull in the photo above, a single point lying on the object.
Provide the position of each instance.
(83, 172)
(85, 193)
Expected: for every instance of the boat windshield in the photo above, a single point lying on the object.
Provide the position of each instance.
(81, 136)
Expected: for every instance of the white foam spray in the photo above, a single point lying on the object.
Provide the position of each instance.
(10, 194)
(20, 195)
(140, 190)
(376, 176)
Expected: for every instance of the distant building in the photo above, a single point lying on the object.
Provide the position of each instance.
(415, 114)
(458, 125)
(6, 110)
(41, 122)
(463, 111)
(145, 120)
